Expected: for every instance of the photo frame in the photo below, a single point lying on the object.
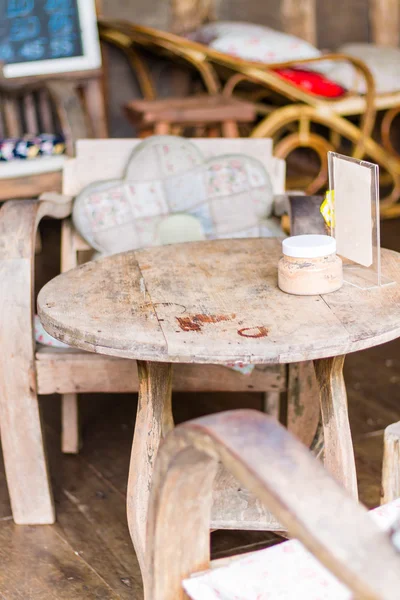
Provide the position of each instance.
(355, 222)
(42, 37)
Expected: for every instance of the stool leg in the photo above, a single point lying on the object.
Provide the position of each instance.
(146, 132)
(213, 132)
(272, 403)
(70, 433)
(161, 128)
(391, 464)
(230, 129)
(303, 405)
(153, 421)
(339, 453)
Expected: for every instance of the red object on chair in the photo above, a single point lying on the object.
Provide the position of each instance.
(312, 82)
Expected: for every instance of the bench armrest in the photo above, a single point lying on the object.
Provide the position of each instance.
(19, 220)
(282, 473)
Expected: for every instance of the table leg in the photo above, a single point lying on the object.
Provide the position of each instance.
(153, 421)
(339, 454)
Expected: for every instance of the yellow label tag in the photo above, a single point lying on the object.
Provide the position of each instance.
(327, 208)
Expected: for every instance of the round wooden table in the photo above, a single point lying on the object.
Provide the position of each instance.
(216, 302)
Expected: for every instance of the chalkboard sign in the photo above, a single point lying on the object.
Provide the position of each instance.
(39, 37)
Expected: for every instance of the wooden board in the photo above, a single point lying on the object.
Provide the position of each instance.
(72, 371)
(213, 302)
(30, 186)
(234, 507)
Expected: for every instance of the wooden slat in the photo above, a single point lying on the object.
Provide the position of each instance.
(197, 109)
(45, 111)
(32, 125)
(12, 118)
(67, 371)
(235, 508)
(299, 18)
(385, 22)
(30, 186)
(2, 123)
(96, 109)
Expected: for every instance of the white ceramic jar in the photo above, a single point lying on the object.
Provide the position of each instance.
(310, 265)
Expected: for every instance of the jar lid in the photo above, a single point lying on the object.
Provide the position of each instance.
(309, 246)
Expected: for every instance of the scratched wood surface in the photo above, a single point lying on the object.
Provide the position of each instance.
(215, 302)
(90, 541)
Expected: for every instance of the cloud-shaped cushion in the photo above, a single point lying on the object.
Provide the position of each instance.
(230, 196)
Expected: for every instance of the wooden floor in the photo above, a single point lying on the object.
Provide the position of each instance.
(88, 553)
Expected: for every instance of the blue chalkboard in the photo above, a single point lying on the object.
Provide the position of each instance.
(39, 30)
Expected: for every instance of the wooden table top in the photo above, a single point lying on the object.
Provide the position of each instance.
(213, 302)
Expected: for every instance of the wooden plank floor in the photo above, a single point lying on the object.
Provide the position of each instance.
(88, 553)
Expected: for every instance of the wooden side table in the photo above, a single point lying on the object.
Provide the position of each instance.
(217, 302)
(159, 116)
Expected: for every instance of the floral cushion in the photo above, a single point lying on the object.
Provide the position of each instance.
(382, 61)
(31, 146)
(230, 196)
(284, 572)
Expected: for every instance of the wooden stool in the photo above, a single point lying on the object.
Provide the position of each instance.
(205, 112)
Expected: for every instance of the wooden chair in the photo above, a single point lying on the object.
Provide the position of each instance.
(29, 371)
(268, 462)
(72, 107)
(289, 114)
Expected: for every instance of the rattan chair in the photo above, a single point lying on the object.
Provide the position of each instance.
(292, 116)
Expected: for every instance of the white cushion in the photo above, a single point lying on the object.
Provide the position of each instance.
(284, 572)
(267, 46)
(253, 42)
(383, 62)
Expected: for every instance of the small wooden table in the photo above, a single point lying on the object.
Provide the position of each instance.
(216, 302)
(159, 116)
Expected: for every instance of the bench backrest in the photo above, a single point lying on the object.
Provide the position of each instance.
(98, 160)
